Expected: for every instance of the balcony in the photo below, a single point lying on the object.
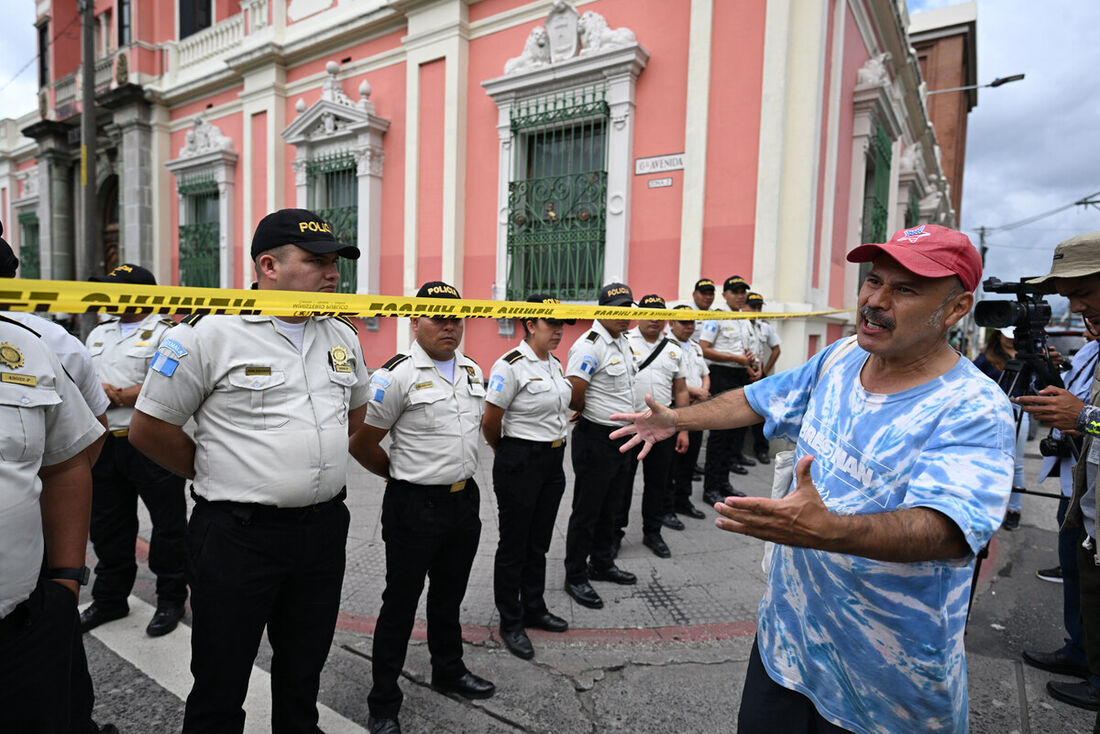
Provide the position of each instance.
(209, 42)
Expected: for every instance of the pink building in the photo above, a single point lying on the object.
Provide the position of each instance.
(505, 146)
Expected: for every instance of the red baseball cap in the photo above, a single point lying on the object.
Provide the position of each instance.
(929, 250)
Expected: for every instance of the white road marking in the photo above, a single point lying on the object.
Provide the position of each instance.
(161, 658)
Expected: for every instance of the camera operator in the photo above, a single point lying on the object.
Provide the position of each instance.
(1075, 274)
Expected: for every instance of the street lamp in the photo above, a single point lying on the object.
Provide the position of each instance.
(995, 83)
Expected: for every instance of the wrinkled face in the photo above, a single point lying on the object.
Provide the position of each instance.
(735, 299)
(905, 315)
(1083, 294)
(651, 328)
(438, 336)
(703, 299)
(682, 330)
(290, 268)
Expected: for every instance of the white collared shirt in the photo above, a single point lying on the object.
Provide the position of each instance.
(435, 424)
(535, 399)
(729, 336)
(607, 365)
(271, 421)
(123, 360)
(656, 379)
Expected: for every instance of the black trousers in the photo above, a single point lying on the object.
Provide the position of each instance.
(769, 708)
(656, 488)
(1068, 541)
(528, 480)
(430, 532)
(724, 445)
(44, 681)
(602, 476)
(119, 477)
(683, 468)
(252, 566)
(760, 443)
(1089, 575)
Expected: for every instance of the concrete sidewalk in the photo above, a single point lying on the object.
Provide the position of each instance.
(666, 655)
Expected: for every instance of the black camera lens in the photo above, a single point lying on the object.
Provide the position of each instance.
(1050, 446)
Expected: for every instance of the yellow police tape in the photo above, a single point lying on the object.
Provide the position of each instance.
(67, 296)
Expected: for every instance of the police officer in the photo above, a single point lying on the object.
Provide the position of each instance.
(727, 347)
(526, 421)
(766, 348)
(601, 371)
(430, 400)
(662, 373)
(703, 299)
(46, 430)
(274, 400)
(698, 387)
(121, 350)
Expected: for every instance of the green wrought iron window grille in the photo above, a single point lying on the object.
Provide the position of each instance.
(912, 211)
(200, 235)
(334, 196)
(877, 190)
(29, 262)
(557, 199)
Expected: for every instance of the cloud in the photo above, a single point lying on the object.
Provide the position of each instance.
(20, 95)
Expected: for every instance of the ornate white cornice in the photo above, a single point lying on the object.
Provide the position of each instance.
(204, 138)
(566, 35)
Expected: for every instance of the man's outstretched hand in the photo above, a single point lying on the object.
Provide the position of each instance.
(800, 519)
(649, 426)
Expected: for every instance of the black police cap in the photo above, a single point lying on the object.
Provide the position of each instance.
(298, 227)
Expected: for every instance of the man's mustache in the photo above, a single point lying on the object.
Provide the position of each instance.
(874, 314)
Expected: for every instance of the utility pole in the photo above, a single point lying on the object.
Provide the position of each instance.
(86, 257)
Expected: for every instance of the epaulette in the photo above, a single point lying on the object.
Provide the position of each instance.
(471, 359)
(168, 322)
(513, 356)
(555, 357)
(394, 361)
(348, 323)
(5, 319)
(592, 336)
(191, 319)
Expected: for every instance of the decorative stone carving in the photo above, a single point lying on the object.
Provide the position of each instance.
(910, 159)
(561, 27)
(301, 177)
(873, 73)
(29, 177)
(369, 161)
(597, 36)
(122, 69)
(331, 89)
(536, 53)
(204, 137)
(565, 36)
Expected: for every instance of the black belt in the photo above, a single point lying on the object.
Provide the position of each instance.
(443, 488)
(247, 511)
(587, 424)
(741, 367)
(546, 444)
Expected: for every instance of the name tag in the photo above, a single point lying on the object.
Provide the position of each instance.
(424, 385)
(341, 368)
(141, 344)
(28, 380)
(250, 371)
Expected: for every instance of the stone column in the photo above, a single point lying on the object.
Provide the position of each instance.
(55, 204)
(132, 115)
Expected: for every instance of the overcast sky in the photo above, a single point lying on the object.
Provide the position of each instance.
(1032, 145)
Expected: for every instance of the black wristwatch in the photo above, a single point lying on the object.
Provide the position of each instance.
(80, 575)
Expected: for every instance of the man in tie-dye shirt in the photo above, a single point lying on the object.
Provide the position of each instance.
(904, 456)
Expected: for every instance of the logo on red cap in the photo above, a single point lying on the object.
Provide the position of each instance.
(912, 235)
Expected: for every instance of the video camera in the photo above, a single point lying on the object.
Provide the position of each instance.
(1028, 315)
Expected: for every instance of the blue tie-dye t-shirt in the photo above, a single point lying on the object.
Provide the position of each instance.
(877, 646)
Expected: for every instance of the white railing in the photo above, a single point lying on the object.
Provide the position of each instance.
(104, 71)
(255, 12)
(210, 41)
(65, 89)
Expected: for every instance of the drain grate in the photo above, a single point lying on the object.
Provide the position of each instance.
(660, 599)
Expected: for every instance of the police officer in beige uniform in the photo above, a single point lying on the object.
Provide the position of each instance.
(702, 297)
(526, 421)
(728, 348)
(121, 350)
(601, 371)
(698, 387)
(766, 348)
(46, 430)
(662, 373)
(429, 400)
(274, 400)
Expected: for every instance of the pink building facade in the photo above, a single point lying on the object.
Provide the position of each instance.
(504, 146)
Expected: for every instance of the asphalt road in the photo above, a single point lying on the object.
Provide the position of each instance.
(668, 655)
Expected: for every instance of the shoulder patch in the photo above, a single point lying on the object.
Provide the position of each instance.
(592, 336)
(20, 324)
(191, 319)
(513, 356)
(394, 361)
(168, 322)
(348, 323)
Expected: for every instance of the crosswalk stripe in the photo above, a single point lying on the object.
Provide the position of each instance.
(161, 658)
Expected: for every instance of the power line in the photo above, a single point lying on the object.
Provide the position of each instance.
(34, 58)
(1084, 201)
